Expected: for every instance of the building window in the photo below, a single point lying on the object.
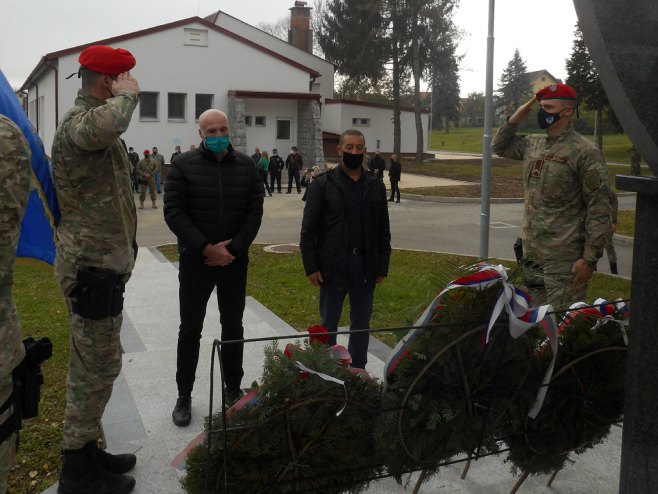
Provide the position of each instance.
(196, 37)
(283, 130)
(247, 120)
(176, 105)
(379, 145)
(148, 105)
(361, 122)
(259, 121)
(202, 102)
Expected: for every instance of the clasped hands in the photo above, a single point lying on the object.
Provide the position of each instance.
(218, 254)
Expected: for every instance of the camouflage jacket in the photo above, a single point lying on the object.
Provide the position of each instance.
(567, 196)
(93, 184)
(15, 176)
(147, 166)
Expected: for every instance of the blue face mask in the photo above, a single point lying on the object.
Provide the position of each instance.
(217, 144)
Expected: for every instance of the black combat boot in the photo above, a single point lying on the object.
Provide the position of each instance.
(182, 414)
(112, 463)
(613, 268)
(81, 476)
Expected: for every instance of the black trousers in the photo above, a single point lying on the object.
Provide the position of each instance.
(395, 189)
(197, 282)
(275, 176)
(294, 174)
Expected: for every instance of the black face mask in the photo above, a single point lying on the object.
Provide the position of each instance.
(545, 119)
(352, 161)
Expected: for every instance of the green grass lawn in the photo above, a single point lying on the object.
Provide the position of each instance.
(616, 147)
(275, 280)
(626, 223)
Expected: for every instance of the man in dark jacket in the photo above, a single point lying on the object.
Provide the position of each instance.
(214, 205)
(377, 165)
(294, 164)
(346, 241)
(276, 165)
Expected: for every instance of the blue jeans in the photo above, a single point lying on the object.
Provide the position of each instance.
(158, 179)
(361, 299)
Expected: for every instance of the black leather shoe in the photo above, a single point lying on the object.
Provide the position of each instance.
(182, 414)
(232, 396)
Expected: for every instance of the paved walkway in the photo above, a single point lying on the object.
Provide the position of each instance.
(138, 417)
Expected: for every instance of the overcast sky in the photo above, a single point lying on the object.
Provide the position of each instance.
(543, 31)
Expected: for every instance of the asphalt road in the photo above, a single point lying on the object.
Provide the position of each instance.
(415, 225)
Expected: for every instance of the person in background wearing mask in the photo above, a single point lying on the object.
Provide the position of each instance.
(160, 161)
(345, 241)
(566, 221)
(213, 248)
(276, 165)
(176, 152)
(294, 164)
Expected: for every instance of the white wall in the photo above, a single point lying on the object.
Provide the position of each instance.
(165, 64)
(326, 69)
(265, 137)
(338, 117)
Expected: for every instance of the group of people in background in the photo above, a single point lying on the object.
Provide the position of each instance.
(270, 169)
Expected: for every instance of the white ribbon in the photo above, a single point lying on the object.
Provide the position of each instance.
(326, 377)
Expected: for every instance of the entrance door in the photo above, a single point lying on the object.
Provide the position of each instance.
(284, 132)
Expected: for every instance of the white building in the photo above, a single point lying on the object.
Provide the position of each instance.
(275, 93)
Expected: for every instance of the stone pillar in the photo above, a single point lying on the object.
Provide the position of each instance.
(309, 133)
(236, 123)
(621, 38)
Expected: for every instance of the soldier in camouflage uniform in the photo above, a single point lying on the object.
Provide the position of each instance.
(15, 173)
(609, 246)
(567, 204)
(147, 169)
(95, 257)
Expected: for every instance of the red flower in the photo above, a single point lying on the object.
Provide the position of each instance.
(318, 334)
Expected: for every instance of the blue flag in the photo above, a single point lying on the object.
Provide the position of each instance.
(42, 215)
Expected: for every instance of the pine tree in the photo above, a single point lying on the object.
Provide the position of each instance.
(352, 37)
(514, 87)
(583, 77)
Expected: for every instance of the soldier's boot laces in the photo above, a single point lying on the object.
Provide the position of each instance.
(82, 473)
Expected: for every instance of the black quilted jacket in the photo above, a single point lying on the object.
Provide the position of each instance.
(208, 201)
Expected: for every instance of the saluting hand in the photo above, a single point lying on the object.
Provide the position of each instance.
(522, 112)
(125, 83)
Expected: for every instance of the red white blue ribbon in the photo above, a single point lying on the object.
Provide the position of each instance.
(511, 300)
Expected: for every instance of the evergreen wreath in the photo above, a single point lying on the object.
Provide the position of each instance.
(452, 394)
(585, 396)
(291, 439)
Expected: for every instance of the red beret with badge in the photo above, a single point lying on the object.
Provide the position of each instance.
(146, 151)
(557, 91)
(107, 60)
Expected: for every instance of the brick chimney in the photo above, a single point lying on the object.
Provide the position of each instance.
(300, 34)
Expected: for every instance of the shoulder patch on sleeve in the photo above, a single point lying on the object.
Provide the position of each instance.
(592, 180)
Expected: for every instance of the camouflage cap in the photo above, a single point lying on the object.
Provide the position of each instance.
(107, 60)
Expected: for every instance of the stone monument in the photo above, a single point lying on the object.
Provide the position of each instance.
(622, 38)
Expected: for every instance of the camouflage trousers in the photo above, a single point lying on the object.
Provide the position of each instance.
(610, 250)
(557, 290)
(94, 364)
(9, 446)
(151, 187)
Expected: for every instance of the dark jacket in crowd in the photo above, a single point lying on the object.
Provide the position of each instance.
(325, 234)
(294, 162)
(208, 201)
(395, 171)
(377, 163)
(276, 163)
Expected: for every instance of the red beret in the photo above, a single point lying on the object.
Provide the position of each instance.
(107, 60)
(146, 151)
(556, 91)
